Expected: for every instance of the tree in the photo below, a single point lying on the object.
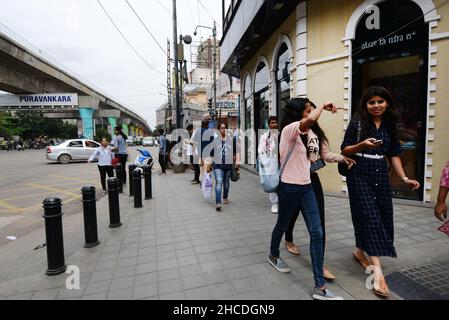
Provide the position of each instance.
(102, 133)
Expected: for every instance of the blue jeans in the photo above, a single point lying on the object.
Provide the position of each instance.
(293, 199)
(222, 177)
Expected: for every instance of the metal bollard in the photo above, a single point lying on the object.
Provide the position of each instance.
(54, 235)
(137, 180)
(114, 203)
(90, 217)
(119, 175)
(148, 182)
(131, 168)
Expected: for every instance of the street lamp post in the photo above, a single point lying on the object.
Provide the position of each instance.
(214, 34)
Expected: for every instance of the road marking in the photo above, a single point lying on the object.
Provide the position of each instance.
(64, 202)
(36, 186)
(15, 190)
(24, 197)
(70, 179)
(10, 207)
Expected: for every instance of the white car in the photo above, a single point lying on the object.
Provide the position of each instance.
(72, 150)
(148, 142)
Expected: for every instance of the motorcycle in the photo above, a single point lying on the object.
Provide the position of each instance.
(144, 159)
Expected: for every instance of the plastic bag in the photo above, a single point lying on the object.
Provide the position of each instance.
(207, 186)
(269, 173)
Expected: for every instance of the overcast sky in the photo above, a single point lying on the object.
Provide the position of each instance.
(78, 34)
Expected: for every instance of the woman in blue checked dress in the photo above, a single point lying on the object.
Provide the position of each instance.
(371, 137)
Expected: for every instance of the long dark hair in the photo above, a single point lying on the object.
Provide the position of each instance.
(294, 111)
(390, 117)
(319, 132)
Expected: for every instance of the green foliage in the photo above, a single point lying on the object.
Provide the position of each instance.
(31, 125)
(102, 133)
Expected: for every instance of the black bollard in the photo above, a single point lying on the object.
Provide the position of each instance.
(54, 235)
(119, 175)
(137, 180)
(131, 168)
(114, 203)
(90, 217)
(148, 182)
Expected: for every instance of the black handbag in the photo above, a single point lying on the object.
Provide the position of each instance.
(343, 169)
(317, 165)
(235, 174)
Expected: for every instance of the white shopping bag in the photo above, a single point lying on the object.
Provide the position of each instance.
(207, 186)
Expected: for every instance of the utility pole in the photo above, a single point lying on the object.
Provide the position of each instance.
(169, 91)
(175, 44)
(214, 31)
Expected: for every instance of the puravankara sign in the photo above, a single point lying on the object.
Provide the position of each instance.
(38, 100)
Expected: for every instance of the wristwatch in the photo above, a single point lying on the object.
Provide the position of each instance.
(405, 179)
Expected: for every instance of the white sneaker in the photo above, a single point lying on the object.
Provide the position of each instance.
(275, 208)
(325, 294)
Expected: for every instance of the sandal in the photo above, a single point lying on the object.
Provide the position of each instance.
(363, 260)
(328, 275)
(292, 248)
(381, 288)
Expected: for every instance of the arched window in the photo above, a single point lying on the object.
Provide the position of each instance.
(261, 105)
(248, 107)
(396, 57)
(247, 94)
(283, 78)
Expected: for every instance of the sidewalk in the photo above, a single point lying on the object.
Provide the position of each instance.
(178, 247)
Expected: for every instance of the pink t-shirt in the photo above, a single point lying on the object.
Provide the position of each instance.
(445, 177)
(297, 170)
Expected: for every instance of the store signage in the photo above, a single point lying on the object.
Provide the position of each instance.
(39, 100)
(398, 38)
(227, 104)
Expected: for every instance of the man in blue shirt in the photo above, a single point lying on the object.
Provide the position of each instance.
(120, 148)
(163, 151)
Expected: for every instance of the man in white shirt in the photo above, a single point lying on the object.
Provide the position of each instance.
(269, 146)
(104, 155)
(192, 152)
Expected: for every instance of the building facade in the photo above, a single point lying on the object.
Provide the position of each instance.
(332, 51)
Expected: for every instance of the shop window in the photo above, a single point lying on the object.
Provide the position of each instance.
(283, 78)
(396, 57)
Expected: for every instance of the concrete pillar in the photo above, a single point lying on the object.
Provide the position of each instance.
(132, 131)
(86, 115)
(112, 124)
(125, 129)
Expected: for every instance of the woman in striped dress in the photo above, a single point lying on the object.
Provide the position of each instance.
(371, 137)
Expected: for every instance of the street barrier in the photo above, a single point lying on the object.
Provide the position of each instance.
(131, 168)
(54, 236)
(137, 180)
(119, 169)
(148, 182)
(114, 203)
(90, 216)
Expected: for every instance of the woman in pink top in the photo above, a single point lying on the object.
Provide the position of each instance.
(295, 191)
(317, 152)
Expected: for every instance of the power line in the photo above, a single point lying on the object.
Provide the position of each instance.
(191, 13)
(150, 33)
(126, 40)
(164, 7)
(207, 11)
